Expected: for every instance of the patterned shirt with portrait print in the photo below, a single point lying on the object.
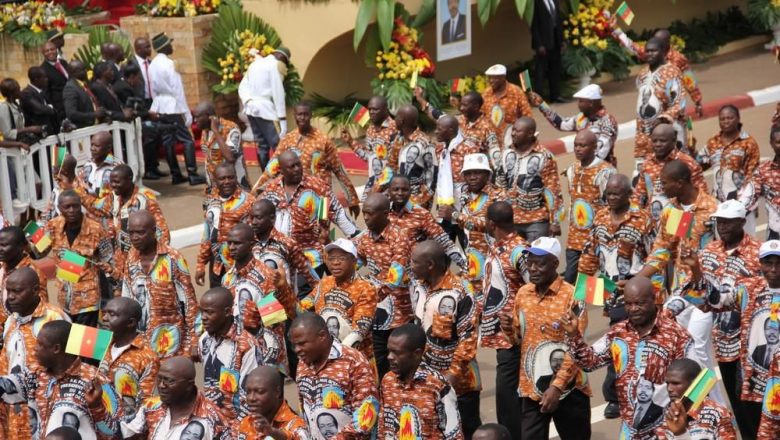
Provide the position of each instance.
(154, 422)
(505, 273)
(764, 182)
(227, 360)
(18, 356)
(536, 323)
(340, 400)
(769, 426)
(640, 364)
(131, 371)
(319, 157)
(448, 314)
(586, 191)
(483, 133)
(660, 95)
(711, 421)
(532, 185)
(222, 213)
(281, 251)
(94, 243)
(732, 163)
(504, 110)
(424, 407)
(386, 259)
(601, 123)
(291, 424)
(375, 150)
(170, 317)
(97, 178)
(416, 158)
(231, 135)
(720, 269)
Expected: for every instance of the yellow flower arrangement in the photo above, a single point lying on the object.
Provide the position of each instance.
(238, 57)
(36, 16)
(182, 8)
(588, 27)
(405, 55)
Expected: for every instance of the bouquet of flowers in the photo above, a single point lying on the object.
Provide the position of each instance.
(239, 55)
(29, 22)
(178, 8)
(467, 84)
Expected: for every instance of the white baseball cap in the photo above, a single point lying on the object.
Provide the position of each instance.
(343, 244)
(546, 246)
(591, 91)
(771, 247)
(477, 161)
(730, 209)
(496, 70)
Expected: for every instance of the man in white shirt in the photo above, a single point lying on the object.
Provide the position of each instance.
(262, 93)
(170, 103)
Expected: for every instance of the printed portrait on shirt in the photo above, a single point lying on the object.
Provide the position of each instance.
(271, 257)
(327, 425)
(648, 104)
(528, 177)
(647, 412)
(338, 326)
(510, 161)
(195, 430)
(212, 223)
(384, 313)
(16, 351)
(412, 165)
(543, 362)
(763, 339)
(66, 413)
(675, 305)
(728, 183)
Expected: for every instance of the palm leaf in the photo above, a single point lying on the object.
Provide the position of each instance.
(366, 12)
(335, 112)
(89, 53)
(425, 14)
(385, 13)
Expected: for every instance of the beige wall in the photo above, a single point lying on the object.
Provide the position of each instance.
(320, 38)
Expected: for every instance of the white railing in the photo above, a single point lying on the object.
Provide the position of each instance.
(78, 142)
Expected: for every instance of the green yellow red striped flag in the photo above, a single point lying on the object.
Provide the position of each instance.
(359, 115)
(592, 290)
(271, 310)
(625, 12)
(38, 236)
(458, 86)
(679, 223)
(699, 388)
(71, 266)
(58, 153)
(89, 342)
(525, 81)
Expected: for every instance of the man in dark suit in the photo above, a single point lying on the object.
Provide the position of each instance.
(143, 50)
(34, 103)
(57, 74)
(81, 106)
(762, 354)
(556, 362)
(547, 43)
(104, 92)
(109, 55)
(646, 412)
(454, 29)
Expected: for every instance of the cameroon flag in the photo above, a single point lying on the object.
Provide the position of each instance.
(359, 115)
(89, 342)
(71, 266)
(38, 236)
(699, 388)
(679, 223)
(592, 289)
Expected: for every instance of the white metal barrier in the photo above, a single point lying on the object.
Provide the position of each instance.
(20, 164)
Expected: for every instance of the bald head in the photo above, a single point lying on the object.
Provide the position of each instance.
(126, 306)
(501, 214)
(311, 321)
(268, 376)
(24, 276)
(219, 297)
(677, 170)
(378, 101)
(406, 117)
(586, 137)
(244, 231)
(377, 202)
(142, 219)
(619, 181)
(639, 286)
(429, 260)
(448, 121)
(526, 123)
(179, 366)
(264, 206)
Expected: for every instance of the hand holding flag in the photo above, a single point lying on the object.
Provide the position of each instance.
(699, 389)
(37, 236)
(625, 13)
(89, 342)
(359, 115)
(525, 81)
(679, 223)
(593, 290)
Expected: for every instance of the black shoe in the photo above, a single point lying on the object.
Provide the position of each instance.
(160, 172)
(196, 179)
(612, 411)
(560, 100)
(152, 175)
(177, 179)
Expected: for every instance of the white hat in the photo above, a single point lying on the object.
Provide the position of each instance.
(546, 246)
(343, 244)
(496, 70)
(477, 161)
(730, 209)
(591, 91)
(771, 247)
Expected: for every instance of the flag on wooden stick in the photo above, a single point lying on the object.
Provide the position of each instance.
(592, 290)
(89, 342)
(679, 223)
(525, 81)
(359, 115)
(699, 388)
(58, 153)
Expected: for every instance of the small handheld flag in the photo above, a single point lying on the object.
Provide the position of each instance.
(592, 290)
(58, 153)
(689, 129)
(699, 388)
(413, 79)
(271, 310)
(38, 236)
(359, 115)
(458, 86)
(71, 266)
(89, 342)
(525, 81)
(624, 12)
(679, 223)
(322, 209)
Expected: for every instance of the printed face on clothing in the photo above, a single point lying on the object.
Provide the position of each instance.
(556, 360)
(446, 305)
(452, 6)
(193, 431)
(327, 425)
(334, 327)
(644, 391)
(226, 180)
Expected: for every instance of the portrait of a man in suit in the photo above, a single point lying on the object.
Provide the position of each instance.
(556, 361)
(454, 29)
(646, 412)
(762, 354)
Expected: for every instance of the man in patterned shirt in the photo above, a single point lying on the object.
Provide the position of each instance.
(593, 116)
(476, 126)
(529, 174)
(418, 221)
(380, 135)
(336, 384)
(14, 256)
(649, 192)
(220, 141)
(157, 277)
(659, 98)
(228, 354)
(640, 349)
(551, 387)
(765, 182)
(129, 366)
(319, 156)
(96, 172)
(28, 313)
(269, 413)
(503, 102)
(445, 305)
(505, 273)
(769, 426)
(346, 302)
(587, 178)
(229, 206)
(180, 411)
(73, 231)
(415, 155)
(711, 420)
(59, 387)
(384, 249)
(416, 400)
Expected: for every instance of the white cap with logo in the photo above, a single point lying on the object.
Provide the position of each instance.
(771, 247)
(477, 161)
(343, 244)
(546, 246)
(730, 209)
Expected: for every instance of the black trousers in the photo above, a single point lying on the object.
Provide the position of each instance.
(731, 381)
(468, 408)
(507, 400)
(182, 134)
(748, 427)
(572, 418)
(266, 138)
(550, 67)
(572, 265)
(380, 352)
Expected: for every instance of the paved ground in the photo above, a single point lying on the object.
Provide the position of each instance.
(726, 76)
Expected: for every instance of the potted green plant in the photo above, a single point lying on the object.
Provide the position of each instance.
(765, 15)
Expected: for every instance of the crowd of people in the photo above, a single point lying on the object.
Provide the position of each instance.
(380, 327)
